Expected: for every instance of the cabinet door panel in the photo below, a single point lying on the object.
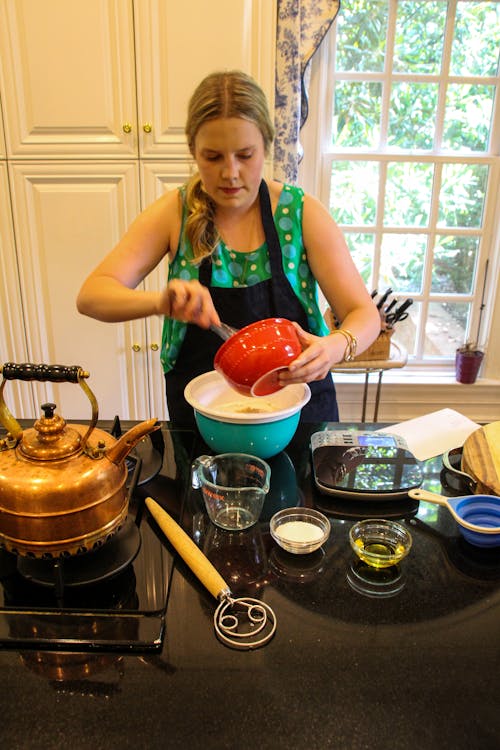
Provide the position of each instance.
(179, 43)
(18, 396)
(67, 69)
(67, 216)
(2, 136)
(157, 177)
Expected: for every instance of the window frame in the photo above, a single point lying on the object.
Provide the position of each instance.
(315, 176)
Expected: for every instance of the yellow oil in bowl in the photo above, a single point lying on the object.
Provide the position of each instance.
(380, 543)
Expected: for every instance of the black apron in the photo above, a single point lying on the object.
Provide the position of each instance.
(239, 307)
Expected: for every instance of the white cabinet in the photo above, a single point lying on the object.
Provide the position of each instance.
(94, 99)
(156, 177)
(68, 70)
(68, 75)
(2, 136)
(179, 43)
(66, 216)
(17, 396)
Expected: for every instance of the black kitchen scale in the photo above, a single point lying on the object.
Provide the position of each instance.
(361, 466)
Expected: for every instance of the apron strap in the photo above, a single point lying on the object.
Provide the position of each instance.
(282, 292)
(270, 231)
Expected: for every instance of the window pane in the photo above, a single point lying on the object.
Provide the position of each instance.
(418, 45)
(454, 263)
(412, 115)
(361, 247)
(477, 39)
(445, 329)
(361, 35)
(467, 117)
(353, 192)
(408, 194)
(402, 262)
(461, 199)
(356, 120)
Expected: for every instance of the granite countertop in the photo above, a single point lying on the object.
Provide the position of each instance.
(418, 669)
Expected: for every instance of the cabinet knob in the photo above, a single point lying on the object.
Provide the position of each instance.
(127, 127)
(136, 347)
(154, 347)
(147, 127)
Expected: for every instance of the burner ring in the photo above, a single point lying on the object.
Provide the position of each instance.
(94, 566)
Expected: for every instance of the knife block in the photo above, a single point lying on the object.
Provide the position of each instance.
(379, 350)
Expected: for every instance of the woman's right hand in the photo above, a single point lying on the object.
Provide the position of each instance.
(189, 302)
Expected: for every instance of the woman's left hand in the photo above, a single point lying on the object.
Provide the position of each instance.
(319, 355)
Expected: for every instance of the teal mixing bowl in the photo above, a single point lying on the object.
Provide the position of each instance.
(230, 422)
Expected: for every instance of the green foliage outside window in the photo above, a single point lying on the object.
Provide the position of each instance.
(414, 102)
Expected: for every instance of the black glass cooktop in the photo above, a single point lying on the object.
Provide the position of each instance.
(112, 599)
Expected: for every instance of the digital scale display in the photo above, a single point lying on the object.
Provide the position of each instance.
(371, 439)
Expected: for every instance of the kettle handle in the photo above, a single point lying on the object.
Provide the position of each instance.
(43, 373)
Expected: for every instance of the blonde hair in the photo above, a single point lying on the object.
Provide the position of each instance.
(221, 94)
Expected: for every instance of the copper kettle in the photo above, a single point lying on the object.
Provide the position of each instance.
(62, 487)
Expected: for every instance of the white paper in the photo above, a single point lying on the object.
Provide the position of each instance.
(434, 433)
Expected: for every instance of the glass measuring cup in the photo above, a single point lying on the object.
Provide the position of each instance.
(234, 487)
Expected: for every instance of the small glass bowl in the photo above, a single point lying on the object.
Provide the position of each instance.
(380, 543)
(299, 530)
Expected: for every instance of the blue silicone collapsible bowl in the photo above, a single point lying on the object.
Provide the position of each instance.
(482, 511)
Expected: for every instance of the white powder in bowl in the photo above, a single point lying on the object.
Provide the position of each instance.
(249, 406)
(299, 531)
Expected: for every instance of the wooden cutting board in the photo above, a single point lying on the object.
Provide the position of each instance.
(481, 458)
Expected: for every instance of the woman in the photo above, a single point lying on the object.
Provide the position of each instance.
(240, 249)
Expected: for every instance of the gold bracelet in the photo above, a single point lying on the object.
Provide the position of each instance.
(352, 344)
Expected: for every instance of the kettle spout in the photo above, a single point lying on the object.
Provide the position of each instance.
(120, 450)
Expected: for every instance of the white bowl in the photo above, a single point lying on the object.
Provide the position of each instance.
(299, 530)
(229, 422)
(210, 394)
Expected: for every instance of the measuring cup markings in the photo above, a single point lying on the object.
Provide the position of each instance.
(254, 469)
(212, 494)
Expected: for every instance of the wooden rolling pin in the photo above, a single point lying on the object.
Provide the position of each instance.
(190, 553)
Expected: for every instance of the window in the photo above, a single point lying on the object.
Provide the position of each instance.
(407, 159)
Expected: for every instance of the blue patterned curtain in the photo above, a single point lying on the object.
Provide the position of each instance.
(302, 25)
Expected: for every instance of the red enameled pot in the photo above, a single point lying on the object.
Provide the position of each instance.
(252, 358)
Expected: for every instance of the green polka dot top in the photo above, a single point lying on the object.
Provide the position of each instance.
(240, 269)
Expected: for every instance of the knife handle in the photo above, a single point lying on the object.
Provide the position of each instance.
(187, 549)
